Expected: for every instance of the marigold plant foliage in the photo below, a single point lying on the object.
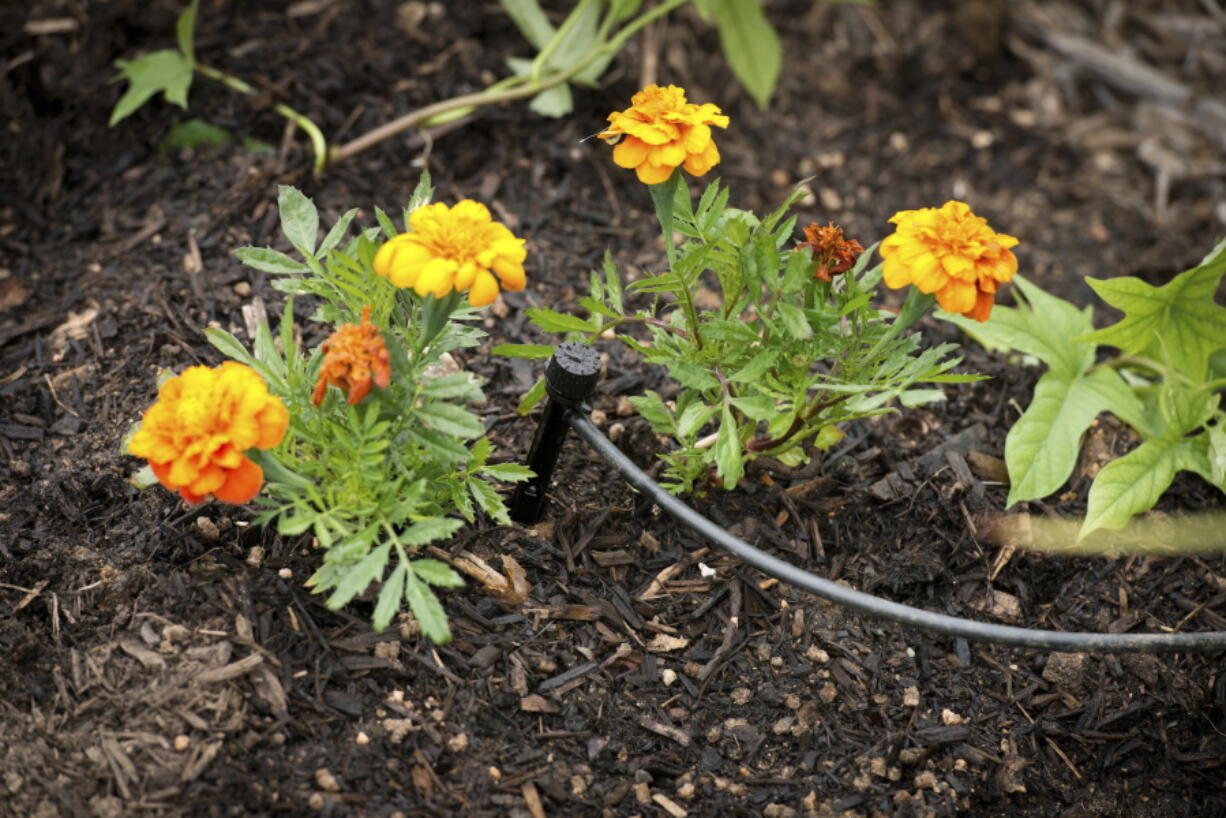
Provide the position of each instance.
(196, 435)
(355, 359)
(951, 252)
(790, 347)
(377, 475)
(457, 248)
(660, 132)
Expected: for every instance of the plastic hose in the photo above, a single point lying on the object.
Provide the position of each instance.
(970, 629)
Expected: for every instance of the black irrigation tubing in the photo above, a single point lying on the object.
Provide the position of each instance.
(570, 377)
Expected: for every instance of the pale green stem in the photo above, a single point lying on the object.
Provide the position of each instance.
(318, 143)
(490, 96)
(662, 197)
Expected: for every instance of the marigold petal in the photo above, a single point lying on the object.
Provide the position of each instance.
(241, 484)
(406, 264)
(274, 421)
(653, 174)
(959, 267)
(383, 371)
(359, 387)
(630, 152)
(983, 307)
(436, 278)
(701, 163)
(672, 154)
(510, 274)
(192, 499)
(383, 258)
(321, 388)
(927, 274)
(512, 249)
(696, 138)
(465, 275)
(226, 456)
(424, 217)
(469, 209)
(208, 480)
(895, 274)
(957, 296)
(653, 133)
(484, 290)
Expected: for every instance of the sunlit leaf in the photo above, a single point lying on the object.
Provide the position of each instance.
(428, 610)
(390, 596)
(166, 71)
(1178, 321)
(299, 219)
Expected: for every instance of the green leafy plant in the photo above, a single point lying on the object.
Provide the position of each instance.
(575, 52)
(781, 361)
(1164, 384)
(376, 476)
(170, 71)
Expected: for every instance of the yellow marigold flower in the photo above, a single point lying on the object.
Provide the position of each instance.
(195, 434)
(951, 252)
(660, 131)
(454, 248)
(833, 253)
(355, 358)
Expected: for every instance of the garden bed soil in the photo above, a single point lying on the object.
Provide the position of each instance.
(160, 659)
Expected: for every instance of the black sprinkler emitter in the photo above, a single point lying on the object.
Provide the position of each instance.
(569, 380)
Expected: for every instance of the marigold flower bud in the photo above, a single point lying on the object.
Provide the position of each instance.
(661, 131)
(355, 358)
(951, 252)
(195, 435)
(454, 248)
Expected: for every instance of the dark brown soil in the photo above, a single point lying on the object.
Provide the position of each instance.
(166, 660)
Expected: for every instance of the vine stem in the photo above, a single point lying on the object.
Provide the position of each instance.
(318, 143)
(519, 87)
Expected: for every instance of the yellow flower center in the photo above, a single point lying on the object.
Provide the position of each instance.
(459, 236)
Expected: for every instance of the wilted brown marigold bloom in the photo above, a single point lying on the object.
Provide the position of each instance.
(832, 252)
(355, 357)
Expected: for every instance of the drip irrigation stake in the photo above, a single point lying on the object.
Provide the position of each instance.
(569, 379)
(970, 629)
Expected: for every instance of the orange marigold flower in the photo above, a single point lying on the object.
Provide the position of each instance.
(454, 248)
(832, 251)
(355, 357)
(951, 252)
(195, 434)
(660, 131)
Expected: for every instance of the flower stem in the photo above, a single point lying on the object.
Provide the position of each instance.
(318, 143)
(663, 197)
(435, 313)
(799, 430)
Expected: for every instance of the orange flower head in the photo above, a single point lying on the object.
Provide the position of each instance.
(660, 131)
(195, 435)
(833, 253)
(355, 358)
(454, 248)
(951, 252)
